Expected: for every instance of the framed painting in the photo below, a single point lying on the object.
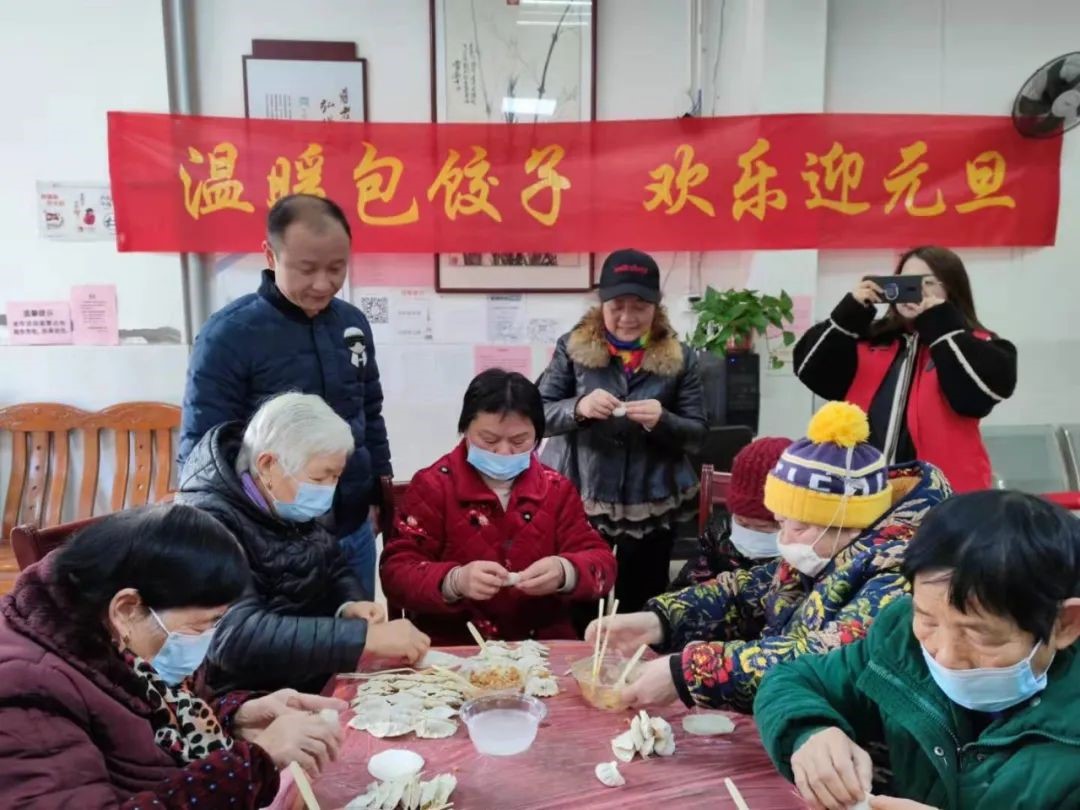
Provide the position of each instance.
(513, 62)
(305, 81)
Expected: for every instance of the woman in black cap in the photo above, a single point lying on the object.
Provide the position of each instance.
(624, 404)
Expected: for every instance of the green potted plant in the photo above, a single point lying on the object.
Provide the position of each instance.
(728, 321)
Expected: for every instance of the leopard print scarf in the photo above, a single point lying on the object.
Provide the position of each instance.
(184, 725)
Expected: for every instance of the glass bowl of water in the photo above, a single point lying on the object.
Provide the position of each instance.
(504, 724)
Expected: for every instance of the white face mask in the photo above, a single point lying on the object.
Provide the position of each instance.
(803, 558)
(754, 544)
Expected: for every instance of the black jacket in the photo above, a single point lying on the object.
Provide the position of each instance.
(282, 632)
(625, 474)
(261, 345)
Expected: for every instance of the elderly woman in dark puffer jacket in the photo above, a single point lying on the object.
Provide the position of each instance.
(97, 643)
(624, 405)
(305, 617)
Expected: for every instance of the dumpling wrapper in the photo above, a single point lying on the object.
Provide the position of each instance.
(619, 411)
(608, 774)
(707, 725)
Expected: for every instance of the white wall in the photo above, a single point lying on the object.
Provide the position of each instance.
(972, 56)
(951, 56)
(66, 63)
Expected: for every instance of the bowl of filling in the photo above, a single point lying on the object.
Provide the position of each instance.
(599, 690)
(503, 724)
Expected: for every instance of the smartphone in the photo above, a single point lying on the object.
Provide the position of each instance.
(899, 289)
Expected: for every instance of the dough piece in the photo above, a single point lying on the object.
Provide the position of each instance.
(608, 774)
(619, 411)
(512, 579)
(330, 717)
(707, 725)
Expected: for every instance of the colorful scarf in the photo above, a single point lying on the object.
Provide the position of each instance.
(184, 725)
(631, 352)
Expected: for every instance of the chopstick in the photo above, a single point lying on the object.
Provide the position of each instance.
(596, 640)
(607, 637)
(736, 797)
(449, 673)
(479, 639)
(626, 670)
(304, 786)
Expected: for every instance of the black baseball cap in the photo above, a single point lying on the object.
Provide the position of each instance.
(630, 272)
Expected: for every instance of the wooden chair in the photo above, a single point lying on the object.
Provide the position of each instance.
(713, 492)
(392, 492)
(40, 463)
(150, 426)
(31, 544)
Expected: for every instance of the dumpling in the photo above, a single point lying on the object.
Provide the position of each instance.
(608, 774)
(624, 746)
(541, 687)
(665, 737)
(432, 728)
(388, 728)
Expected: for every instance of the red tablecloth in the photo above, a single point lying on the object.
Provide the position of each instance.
(557, 771)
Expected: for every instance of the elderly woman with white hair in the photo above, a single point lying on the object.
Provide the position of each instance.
(305, 617)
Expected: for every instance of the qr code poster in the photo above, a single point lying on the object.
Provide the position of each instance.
(376, 308)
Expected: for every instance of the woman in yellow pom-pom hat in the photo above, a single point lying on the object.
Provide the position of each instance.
(833, 477)
(845, 520)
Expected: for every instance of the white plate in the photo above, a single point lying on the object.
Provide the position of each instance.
(395, 763)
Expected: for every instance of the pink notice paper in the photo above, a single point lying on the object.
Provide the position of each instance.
(390, 270)
(39, 323)
(510, 358)
(93, 314)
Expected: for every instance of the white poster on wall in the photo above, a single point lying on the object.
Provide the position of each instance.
(75, 212)
(305, 90)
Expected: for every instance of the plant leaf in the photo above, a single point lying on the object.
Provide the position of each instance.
(789, 338)
(776, 362)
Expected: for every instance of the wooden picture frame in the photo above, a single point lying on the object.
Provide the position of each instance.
(311, 80)
(542, 40)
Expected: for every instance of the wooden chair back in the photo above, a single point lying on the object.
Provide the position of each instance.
(41, 458)
(40, 462)
(713, 492)
(392, 492)
(145, 427)
(31, 543)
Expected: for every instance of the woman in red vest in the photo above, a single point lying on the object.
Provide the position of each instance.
(925, 373)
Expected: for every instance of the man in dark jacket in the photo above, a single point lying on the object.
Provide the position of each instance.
(294, 335)
(304, 618)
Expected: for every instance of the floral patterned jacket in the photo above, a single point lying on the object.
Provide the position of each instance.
(732, 629)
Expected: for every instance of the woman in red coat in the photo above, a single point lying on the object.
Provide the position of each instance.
(488, 534)
(97, 643)
(925, 374)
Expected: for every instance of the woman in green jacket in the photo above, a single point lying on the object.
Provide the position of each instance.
(970, 689)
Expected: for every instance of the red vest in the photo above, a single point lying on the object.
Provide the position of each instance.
(941, 436)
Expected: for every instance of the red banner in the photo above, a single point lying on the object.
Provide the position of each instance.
(196, 184)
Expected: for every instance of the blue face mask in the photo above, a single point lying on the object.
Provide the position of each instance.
(499, 467)
(181, 654)
(311, 501)
(992, 689)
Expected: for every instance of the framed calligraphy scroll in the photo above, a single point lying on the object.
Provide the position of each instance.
(506, 62)
(305, 81)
